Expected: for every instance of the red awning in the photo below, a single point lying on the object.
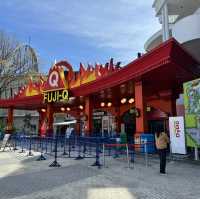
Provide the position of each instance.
(163, 68)
(169, 63)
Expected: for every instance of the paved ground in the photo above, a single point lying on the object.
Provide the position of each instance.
(22, 177)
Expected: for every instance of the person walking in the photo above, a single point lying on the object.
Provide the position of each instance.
(161, 144)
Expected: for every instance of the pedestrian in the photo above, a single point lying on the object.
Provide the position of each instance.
(161, 144)
(67, 132)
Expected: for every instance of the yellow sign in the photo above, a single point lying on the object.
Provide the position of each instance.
(56, 96)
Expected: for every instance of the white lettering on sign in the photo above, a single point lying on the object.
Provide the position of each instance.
(53, 79)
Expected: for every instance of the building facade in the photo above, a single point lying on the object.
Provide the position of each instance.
(20, 115)
(179, 19)
(138, 97)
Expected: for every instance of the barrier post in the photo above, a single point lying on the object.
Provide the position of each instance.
(146, 153)
(22, 146)
(41, 157)
(89, 149)
(97, 162)
(84, 149)
(127, 155)
(64, 148)
(132, 152)
(79, 157)
(55, 163)
(30, 146)
(117, 149)
(69, 148)
(51, 145)
(196, 153)
(15, 143)
(109, 151)
(37, 148)
(104, 158)
(46, 147)
(27, 142)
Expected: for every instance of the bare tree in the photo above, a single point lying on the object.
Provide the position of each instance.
(15, 59)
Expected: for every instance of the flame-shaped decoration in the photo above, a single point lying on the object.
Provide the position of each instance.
(30, 90)
(92, 73)
(68, 78)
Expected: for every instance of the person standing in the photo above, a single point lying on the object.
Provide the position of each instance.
(161, 144)
(68, 132)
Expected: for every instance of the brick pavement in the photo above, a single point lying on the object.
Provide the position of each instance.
(22, 177)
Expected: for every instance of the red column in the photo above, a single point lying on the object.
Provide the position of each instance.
(42, 116)
(140, 103)
(49, 116)
(9, 125)
(88, 114)
(118, 120)
(77, 127)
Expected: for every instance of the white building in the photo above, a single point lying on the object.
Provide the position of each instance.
(19, 115)
(180, 19)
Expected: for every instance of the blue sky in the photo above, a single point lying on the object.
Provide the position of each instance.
(85, 31)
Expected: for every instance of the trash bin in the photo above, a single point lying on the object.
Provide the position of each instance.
(150, 139)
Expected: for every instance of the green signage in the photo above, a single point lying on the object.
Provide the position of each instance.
(192, 112)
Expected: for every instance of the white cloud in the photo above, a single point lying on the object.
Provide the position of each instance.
(121, 25)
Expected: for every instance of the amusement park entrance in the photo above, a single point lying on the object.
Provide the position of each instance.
(120, 94)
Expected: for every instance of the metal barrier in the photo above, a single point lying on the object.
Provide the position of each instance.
(80, 148)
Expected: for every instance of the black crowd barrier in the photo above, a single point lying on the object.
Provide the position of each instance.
(78, 148)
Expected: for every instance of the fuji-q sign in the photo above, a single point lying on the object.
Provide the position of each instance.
(56, 96)
(55, 92)
(53, 79)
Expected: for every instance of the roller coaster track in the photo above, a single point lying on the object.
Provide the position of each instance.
(22, 60)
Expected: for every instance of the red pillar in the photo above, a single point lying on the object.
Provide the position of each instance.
(140, 103)
(42, 116)
(88, 114)
(9, 125)
(77, 127)
(118, 120)
(50, 119)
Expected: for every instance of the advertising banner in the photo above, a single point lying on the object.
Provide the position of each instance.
(177, 135)
(192, 112)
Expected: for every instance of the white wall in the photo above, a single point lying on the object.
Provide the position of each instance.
(187, 28)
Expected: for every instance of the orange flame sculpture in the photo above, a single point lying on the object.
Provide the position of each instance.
(68, 78)
(92, 73)
(30, 90)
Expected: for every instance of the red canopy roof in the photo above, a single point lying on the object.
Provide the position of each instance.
(163, 68)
